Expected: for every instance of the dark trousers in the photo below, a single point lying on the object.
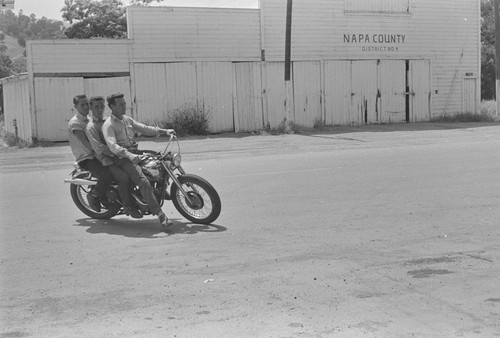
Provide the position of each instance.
(137, 176)
(123, 182)
(103, 175)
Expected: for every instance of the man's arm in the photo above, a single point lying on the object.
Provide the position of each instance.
(80, 134)
(110, 138)
(95, 140)
(144, 129)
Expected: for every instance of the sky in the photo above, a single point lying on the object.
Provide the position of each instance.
(52, 8)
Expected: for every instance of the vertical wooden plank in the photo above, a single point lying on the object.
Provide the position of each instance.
(150, 91)
(275, 93)
(248, 97)
(54, 106)
(307, 92)
(420, 86)
(469, 95)
(107, 86)
(216, 95)
(181, 87)
(392, 91)
(337, 92)
(364, 103)
(16, 107)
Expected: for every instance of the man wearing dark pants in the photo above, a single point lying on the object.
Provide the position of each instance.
(118, 131)
(106, 157)
(84, 154)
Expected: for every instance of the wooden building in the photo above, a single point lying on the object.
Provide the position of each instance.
(353, 62)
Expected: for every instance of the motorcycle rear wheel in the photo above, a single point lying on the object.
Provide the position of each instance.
(79, 195)
(205, 204)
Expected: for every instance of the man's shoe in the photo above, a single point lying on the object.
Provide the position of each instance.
(94, 203)
(164, 221)
(133, 212)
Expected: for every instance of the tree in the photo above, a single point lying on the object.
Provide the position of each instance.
(5, 65)
(95, 19)
(487, 50)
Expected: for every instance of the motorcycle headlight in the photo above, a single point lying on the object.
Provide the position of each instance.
(176, 160)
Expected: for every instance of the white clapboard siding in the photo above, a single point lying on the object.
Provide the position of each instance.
(54, 106)
(78, 56)
(383, 6)
(16, 106)
(446, 32)
(247, 97)
(162, 34)
(107, 86)
(307, 93)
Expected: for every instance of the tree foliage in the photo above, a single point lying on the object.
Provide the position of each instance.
(95, 19)
(487, 50)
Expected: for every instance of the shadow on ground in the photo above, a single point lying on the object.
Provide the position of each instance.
(143, 228)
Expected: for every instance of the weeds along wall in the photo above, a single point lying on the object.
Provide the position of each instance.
(388, 61)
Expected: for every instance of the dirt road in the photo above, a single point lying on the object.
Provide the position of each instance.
(382, 231)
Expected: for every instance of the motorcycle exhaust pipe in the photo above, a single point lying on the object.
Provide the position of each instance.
(80, 181)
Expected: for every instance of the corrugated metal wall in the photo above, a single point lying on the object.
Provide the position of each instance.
(16, 107)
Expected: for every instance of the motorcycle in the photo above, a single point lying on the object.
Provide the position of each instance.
(194, 197)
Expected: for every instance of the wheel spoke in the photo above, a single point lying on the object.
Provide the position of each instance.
(207, 207)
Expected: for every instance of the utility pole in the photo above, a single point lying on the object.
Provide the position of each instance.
(497, 55)
(288, 52)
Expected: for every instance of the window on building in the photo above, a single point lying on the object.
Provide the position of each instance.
(378, 6)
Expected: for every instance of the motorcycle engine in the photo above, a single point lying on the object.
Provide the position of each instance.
(151, 168)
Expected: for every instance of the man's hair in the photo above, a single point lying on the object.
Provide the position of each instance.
(77, 98)
(96, 99)
(111, 99)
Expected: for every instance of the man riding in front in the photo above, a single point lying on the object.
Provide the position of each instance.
(119, 133)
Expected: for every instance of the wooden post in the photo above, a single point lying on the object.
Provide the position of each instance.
(497, 55)
(288, 52)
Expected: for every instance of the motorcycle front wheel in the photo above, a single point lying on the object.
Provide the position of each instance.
(79, 195)
(203, 205)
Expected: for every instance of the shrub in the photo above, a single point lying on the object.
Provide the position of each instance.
(190, 119)
(282, 128)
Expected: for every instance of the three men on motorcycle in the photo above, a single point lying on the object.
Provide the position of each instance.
(112, 148)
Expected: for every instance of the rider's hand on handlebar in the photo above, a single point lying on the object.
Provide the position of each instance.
(168, 131)
(136, 159)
